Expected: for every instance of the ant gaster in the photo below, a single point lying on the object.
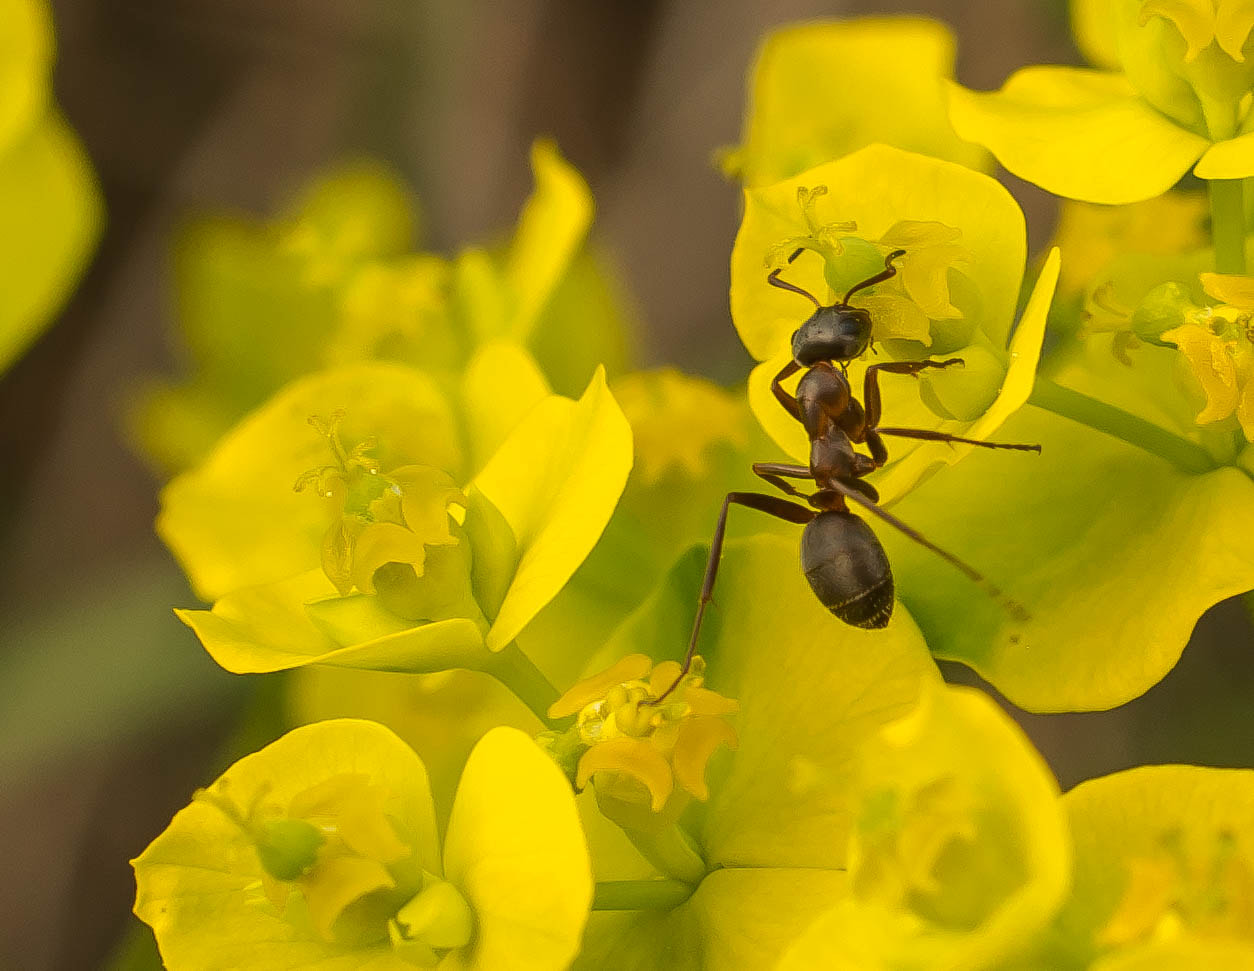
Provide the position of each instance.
(842, 558)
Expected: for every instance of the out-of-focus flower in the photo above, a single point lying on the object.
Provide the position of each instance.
(50, 206)
(821, 90)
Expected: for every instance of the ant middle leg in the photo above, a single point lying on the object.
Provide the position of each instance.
(871, 383)
(772, 506)
(871, 395)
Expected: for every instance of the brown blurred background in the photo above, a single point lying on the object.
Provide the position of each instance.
(109, 712)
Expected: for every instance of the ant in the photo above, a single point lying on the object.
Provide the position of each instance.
(842, 558)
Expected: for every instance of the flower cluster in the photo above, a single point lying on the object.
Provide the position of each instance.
(509, 746)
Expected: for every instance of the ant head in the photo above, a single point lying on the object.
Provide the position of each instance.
(839, 333)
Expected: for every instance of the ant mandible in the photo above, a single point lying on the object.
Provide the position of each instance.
(842, 558)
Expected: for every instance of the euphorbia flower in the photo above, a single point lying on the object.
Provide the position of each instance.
(320, 851)
(954, 295)
(332, 280)
(644, 735)
(820, 90)
(1164, 872)
(767, 852)
(293, 586)
(50, 207)
(959, 854)
(1216, 341)
(1180, 95)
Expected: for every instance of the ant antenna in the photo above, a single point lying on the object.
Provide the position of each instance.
(1016, 610)
(887, 273)
(773, 279)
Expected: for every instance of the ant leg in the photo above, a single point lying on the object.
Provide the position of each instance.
(1013, 607)
(871, 383)
(771, 505)
(928, 435)
(782, 396)
(871, 394)
(887, 273)
(773, 279)
(772, 472)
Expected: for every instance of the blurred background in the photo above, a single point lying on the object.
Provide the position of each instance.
(110, 713)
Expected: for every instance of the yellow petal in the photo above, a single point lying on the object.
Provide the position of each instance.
(699, 736)
(50, 217)
(1213, 367)
(501, 385)
(262, 629)
(551, 227)
(1078, 133)
(556, 480)
(1093, 26)
(1230, 159)
(1229, 288)
(516, 850)
(887, 89)
(381, 543)
(893, 317)
(631, 668)
(634, 757)
(1233, 21)
(1195, 19)
(703, 701)
(335, 883)
(25, 65)
(1245, 403)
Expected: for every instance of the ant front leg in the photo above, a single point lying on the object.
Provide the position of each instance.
(783, 397)
(772, 506)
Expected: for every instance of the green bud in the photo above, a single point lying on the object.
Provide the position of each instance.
(287, 847)
(1163, 308)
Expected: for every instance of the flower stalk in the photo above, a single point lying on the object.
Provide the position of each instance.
(1227, 217)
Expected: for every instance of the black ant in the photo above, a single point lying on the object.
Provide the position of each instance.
(842, 558)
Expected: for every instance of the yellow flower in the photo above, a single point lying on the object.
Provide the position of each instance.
(1216, 342)
(641, 740)
(337, 863)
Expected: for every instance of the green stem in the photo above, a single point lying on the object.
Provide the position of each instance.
(671, 851)
(640, 894)
(1180, 452)
(1227, 224)
(516, 671)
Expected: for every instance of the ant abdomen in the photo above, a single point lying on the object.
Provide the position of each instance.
(848, 569)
